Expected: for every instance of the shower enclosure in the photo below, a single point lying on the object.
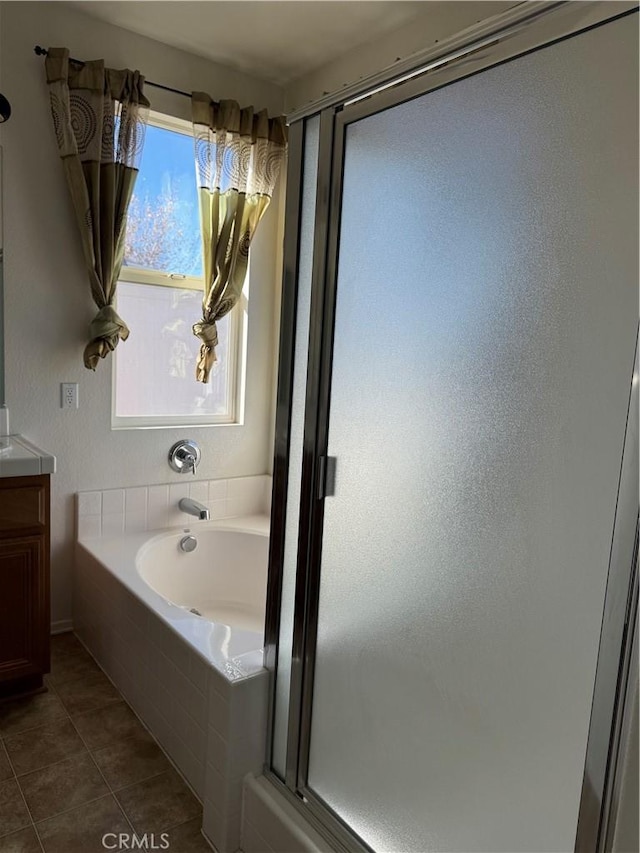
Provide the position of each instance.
(453, 586)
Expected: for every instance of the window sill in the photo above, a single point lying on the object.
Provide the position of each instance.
(182, 425)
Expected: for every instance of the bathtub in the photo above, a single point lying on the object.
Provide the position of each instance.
(181, 636)
(224, 580)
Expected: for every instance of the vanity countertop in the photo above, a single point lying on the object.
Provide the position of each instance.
(20, 458)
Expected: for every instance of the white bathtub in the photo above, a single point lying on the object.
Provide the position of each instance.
(223, 580)
(197, 681)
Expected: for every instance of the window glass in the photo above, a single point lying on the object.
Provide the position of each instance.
(163, 227)
(155, 370)
(159, 297)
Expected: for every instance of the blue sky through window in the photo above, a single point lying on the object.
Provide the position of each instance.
(163, 226)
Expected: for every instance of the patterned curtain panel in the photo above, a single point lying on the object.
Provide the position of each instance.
(238, 158)
(99, 117)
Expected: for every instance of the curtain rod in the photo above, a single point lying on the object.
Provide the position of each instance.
(41, 51)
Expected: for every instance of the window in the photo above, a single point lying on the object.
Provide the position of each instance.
(160, 298)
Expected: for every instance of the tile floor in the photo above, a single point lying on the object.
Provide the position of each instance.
(76, 763)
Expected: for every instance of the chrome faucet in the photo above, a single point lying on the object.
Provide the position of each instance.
(184, 456)
(192, 507)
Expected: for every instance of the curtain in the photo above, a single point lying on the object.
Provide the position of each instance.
(99, 117)
(238, 158)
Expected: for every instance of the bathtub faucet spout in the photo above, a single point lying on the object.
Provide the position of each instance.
(194, 508)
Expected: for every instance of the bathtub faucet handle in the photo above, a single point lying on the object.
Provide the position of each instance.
(190, 462)
(184, 456)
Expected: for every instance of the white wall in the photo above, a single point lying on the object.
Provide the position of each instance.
(47, 301)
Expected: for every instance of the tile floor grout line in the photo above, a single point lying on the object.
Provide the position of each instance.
(13, 769)
(122, 701)
(166, 828)
(139, 781)
(120, 740)
(100, 671)
(63, 811)
(112, 789)
(104, 778)
(124, 814)
(3, 737)
(114, 792)
(50, 686)
(69, 717)
(97, 708)
(26, 805)
(83, 677)
(40, 841)
(182, 823)
(64, 716)
(116, 688)
(177, 770)
(173, 764)
(33, 728)
(24, 799)
(29, 825)
(47, 766)
(72, 808)
(172, 768)
(133, 784)
(3, 749)
(66, 712)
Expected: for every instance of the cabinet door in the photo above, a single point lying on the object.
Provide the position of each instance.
(23, 604)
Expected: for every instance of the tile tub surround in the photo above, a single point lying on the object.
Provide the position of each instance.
(75, 763)
(207, 711)
(117, 511)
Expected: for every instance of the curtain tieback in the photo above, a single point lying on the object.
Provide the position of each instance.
(207, 331)
(106, 330)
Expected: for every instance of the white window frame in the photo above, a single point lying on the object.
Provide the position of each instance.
(238, 325)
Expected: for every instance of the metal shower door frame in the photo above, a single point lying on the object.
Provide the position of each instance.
(334, 121)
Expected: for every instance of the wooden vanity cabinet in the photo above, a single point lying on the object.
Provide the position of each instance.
(24, 583)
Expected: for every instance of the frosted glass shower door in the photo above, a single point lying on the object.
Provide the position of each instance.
(483, 349)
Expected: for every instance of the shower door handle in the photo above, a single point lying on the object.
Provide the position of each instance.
(326, 476)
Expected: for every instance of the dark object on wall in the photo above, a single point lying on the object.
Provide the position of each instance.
(5, 109)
